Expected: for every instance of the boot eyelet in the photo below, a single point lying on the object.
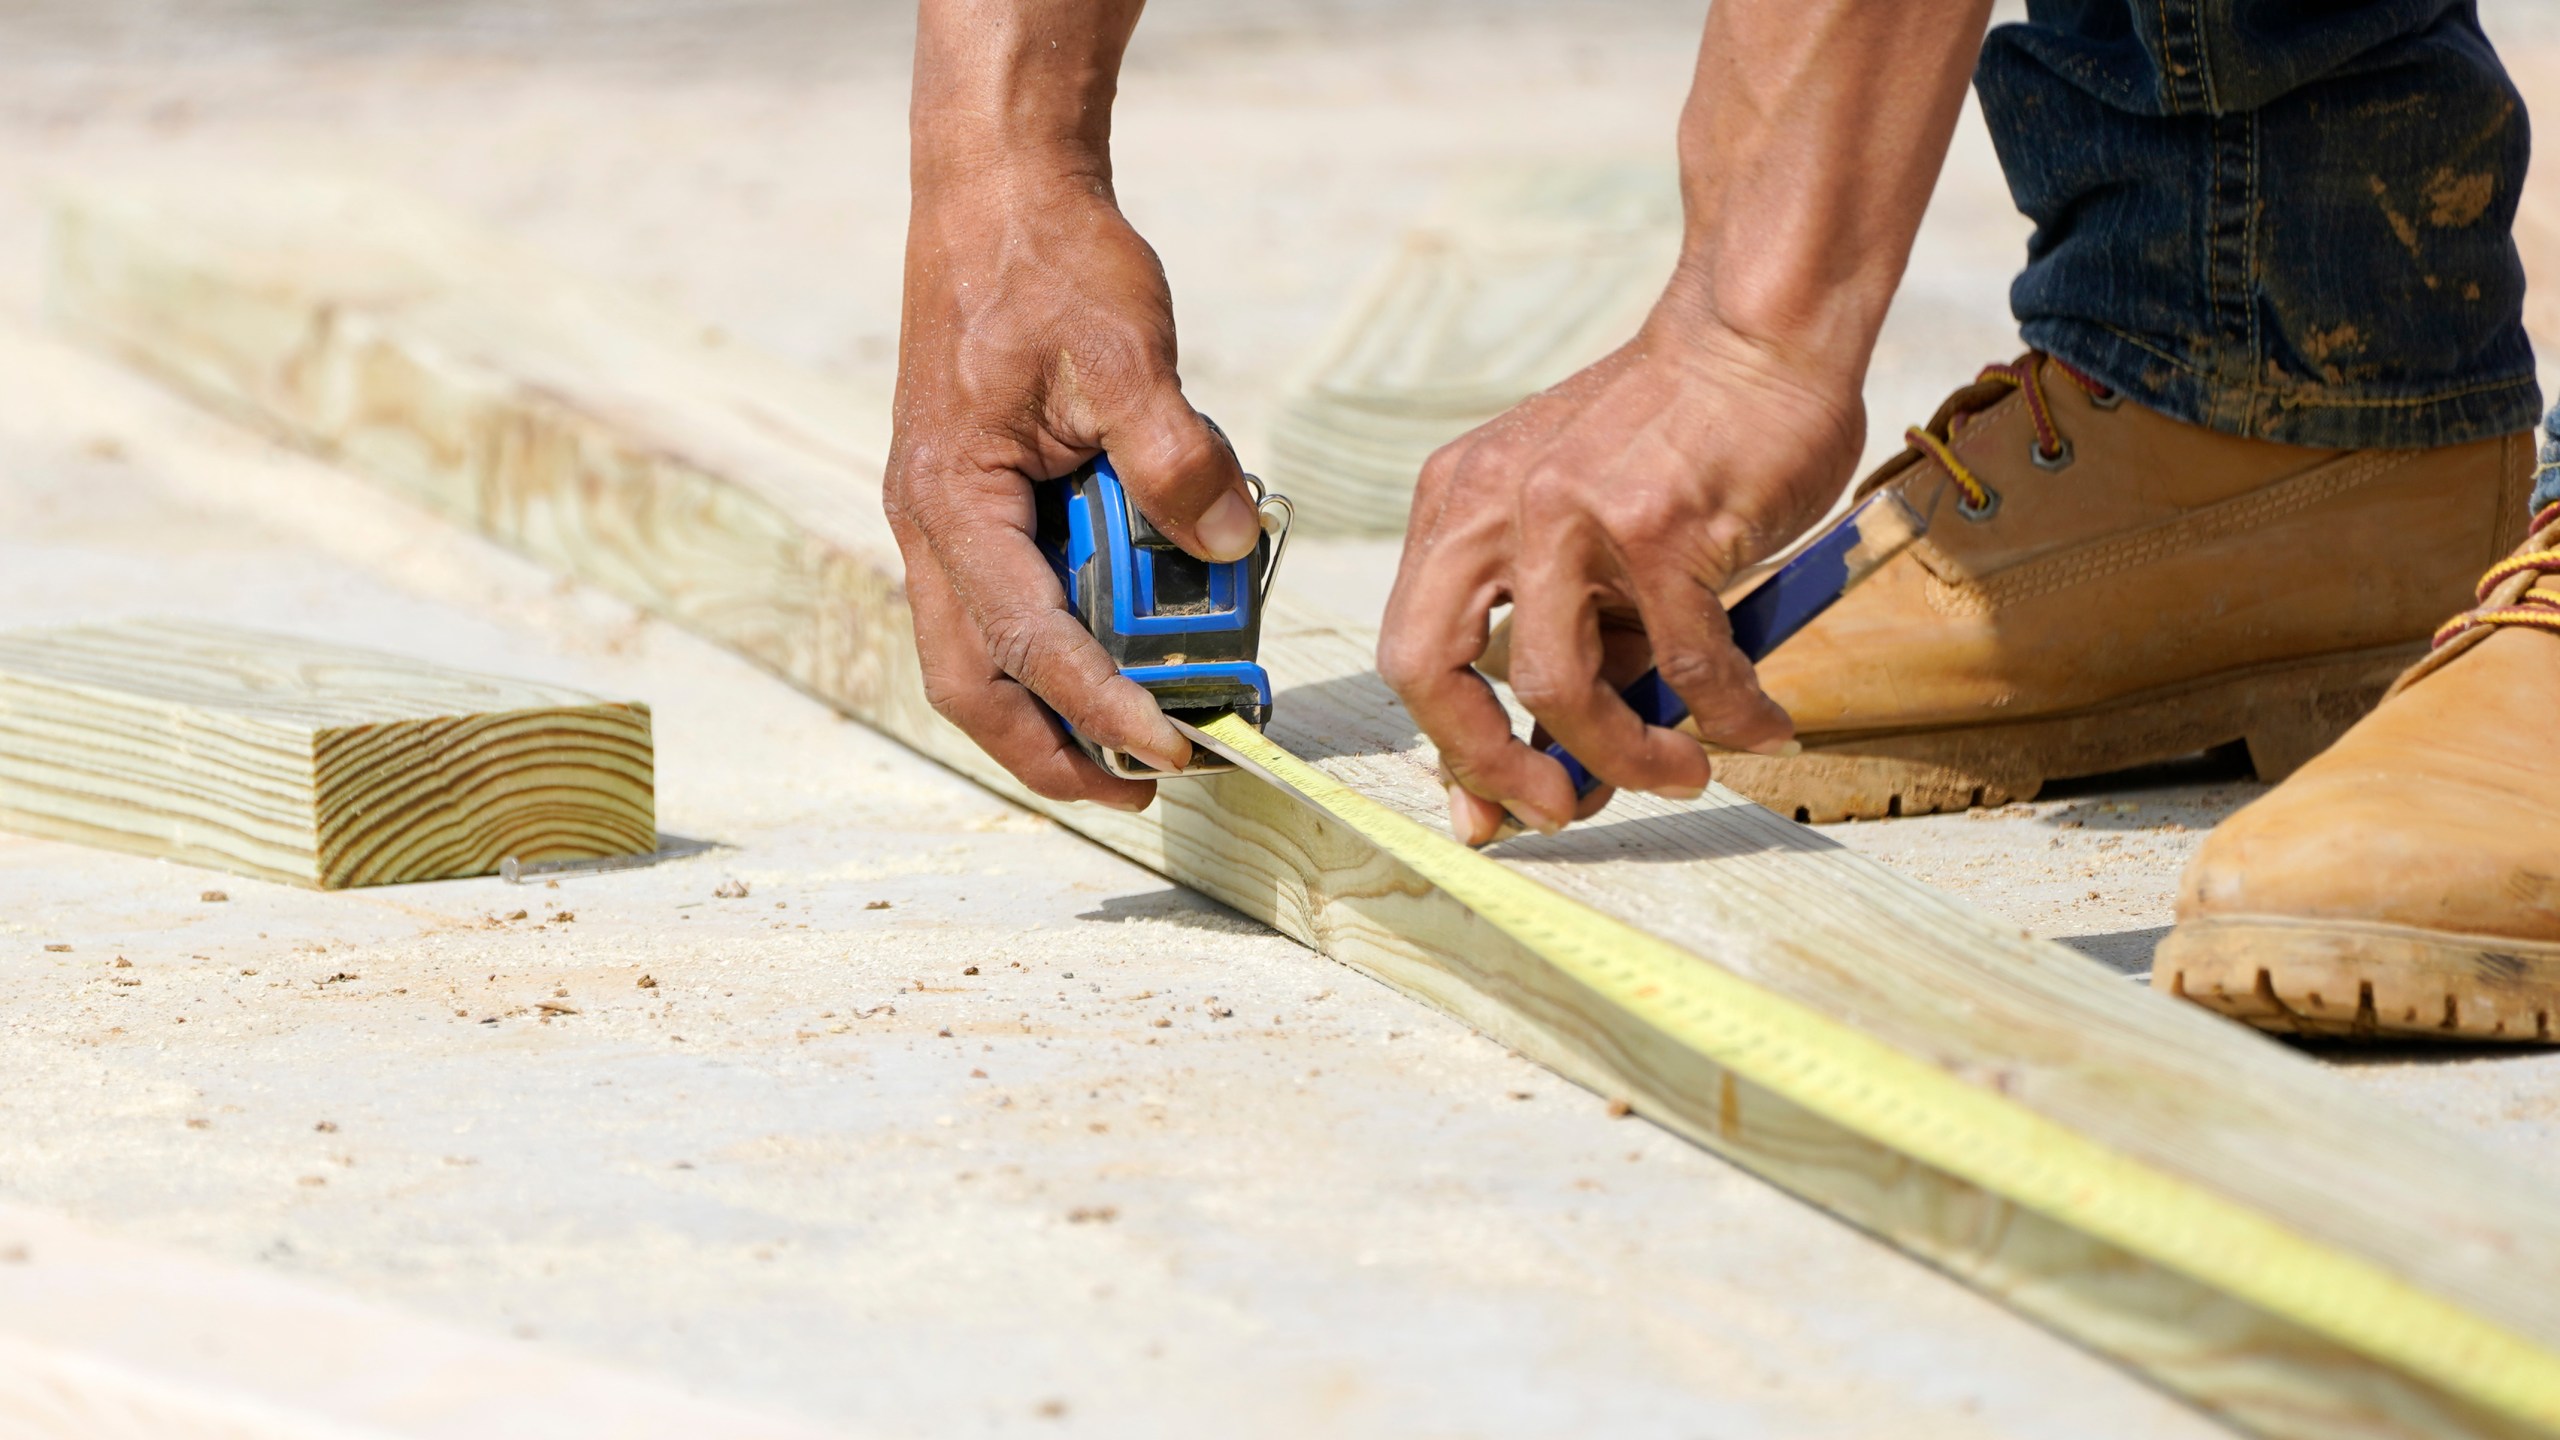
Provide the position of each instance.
(2060, 459)
(2106, 400)
(1990, 506)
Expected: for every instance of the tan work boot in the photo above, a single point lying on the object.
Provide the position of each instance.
(2103, 586)
(2406, 882)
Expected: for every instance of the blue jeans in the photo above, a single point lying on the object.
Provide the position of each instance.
(2288, 219)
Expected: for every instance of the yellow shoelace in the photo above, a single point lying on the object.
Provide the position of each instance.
(2053, 449)
(2504, 602)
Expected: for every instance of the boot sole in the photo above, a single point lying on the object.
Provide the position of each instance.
(2286, 713)
(2365, 981)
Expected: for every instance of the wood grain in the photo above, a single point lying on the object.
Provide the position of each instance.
(311, 764)
(1515, 279)
(742, 497)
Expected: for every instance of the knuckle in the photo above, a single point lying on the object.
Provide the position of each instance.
(926, 482)
(1180, 456)
(1543, 688)
(1402, 665)
(947, 700)
(1111, 722)
(1470, 773)
(950, 693)
(1121, 356)
(1694, 673)
(1189, 450)
(1475, 757)
(1442, 484)
(1549, 487)
(1442, 466)
(897, 491)
(1441, 491)
(911, 523)
(1016, 641)
(1733, 541)
(1644, 519)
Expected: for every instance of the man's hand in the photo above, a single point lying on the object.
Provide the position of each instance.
(1037, 331)
(1609, 510)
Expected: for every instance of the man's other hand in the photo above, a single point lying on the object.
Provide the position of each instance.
(1607, 512)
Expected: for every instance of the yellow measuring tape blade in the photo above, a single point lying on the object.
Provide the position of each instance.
(1919, 1110)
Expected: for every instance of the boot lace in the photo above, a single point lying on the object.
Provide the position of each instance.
(2515, 592)
(2052, 449)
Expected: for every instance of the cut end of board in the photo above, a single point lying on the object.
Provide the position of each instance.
(309, 763)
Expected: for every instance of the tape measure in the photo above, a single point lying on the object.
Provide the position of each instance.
(1917, 1109)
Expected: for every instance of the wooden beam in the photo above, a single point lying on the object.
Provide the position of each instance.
(310, 764)
(2172, 1190)
(1514, 279)
(102, 1339)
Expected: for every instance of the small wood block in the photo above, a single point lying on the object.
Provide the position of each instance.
(308, 763)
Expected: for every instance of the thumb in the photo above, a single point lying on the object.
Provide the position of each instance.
(1183, 476)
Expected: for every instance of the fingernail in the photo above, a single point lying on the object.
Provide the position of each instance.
(1681, 792)
(1169, 751)
(1543, 824)
(1458, 812)
(1230, 530)
(1164, 759)
(1780, 749)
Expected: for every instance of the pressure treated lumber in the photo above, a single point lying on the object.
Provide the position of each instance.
(307, 763)
(103, 1339)
(740, 496)
(1516, 278)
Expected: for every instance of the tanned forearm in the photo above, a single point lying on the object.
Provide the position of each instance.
(1808, 148)
(1037, 333)
(1005, 87)
(1609, 510)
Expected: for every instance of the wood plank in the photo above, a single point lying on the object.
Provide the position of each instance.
(103, 1339)
(306, 763)
(740, 496)
(1513, 280)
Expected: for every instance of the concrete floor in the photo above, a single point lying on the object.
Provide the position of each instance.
(1329, 1212)
(818, 1165)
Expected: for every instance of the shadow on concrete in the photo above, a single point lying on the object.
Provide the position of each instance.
(2356, 1054)
(1174, 907)
(670, 847)
(2127, 952)
(2131, 799)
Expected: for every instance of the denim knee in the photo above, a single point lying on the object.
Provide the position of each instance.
(2285, 221)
